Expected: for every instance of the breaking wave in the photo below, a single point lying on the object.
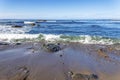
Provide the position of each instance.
(85, 39)
(7, 29)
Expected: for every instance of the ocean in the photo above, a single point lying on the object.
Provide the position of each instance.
(93, 30)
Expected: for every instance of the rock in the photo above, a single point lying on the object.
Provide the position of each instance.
(52, 47)
(17, 26)
(117, 46)
(18, 43)
(4, 43)
(101, 52)
(21, 74)
(33, 24)
(61, 55)
(80, 76)
(93, 77)
(70, 73)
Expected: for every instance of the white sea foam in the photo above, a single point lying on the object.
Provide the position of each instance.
(28, 22)
(50, 37)
(85, 39)
(9, 37)
(9, 30)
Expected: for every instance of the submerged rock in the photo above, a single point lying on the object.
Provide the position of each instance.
(18, 43)
(95, 26)
(33, 24)
(117, 46)
(21, 74)
(17, 26)
(93, 77)
(52, 47)
(102, 52)
(80, 76)
(4, 43)
(61, 55)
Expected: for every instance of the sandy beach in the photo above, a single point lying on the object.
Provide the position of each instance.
(75, 61)
(59, 40)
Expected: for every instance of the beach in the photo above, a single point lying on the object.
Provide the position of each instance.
(59, 40)
(59, 50)
(75, 61)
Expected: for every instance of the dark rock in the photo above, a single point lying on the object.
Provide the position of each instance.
(33, 24)
(102, 49)
(18, 43)
(70, 73)
(61, 55)
(17, 26)
(30, 48)
(93, 77)
(52, 47)
(4, 43)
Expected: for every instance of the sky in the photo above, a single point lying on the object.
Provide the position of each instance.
(59, 9)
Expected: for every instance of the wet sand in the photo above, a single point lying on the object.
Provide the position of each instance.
(75, 61)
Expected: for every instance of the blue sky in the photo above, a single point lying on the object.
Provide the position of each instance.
(59, 9)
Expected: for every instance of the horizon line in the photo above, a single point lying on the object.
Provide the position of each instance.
(65, 18)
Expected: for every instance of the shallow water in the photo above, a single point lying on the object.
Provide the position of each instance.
(45, 65)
